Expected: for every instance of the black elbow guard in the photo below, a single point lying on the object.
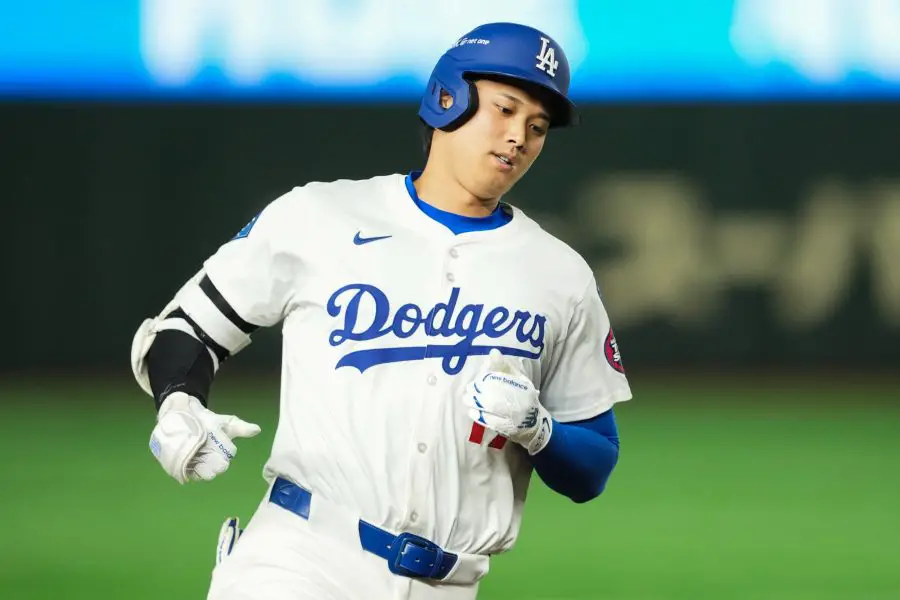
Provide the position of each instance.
(178, 362)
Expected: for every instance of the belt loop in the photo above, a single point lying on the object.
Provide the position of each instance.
(291, 496)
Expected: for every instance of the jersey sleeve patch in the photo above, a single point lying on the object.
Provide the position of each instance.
(613, 356)
(245, 230)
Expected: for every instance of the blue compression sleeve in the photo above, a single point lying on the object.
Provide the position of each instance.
(580, 456)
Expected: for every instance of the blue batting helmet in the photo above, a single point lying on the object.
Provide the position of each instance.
(507, 50)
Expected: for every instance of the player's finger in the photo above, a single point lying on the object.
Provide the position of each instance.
(494, 361)
(219, 442)
(489, 398)
(481, 411)
(207, 466)
(202, 473)
(476, 412)
(470, 397)
(515, 366)
(476, 415)
(474, 388)
(238, 428)
(491, 421)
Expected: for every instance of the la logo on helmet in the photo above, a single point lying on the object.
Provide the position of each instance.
(547, 58)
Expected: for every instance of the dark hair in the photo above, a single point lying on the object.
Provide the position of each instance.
(427, 133)
(554, 103)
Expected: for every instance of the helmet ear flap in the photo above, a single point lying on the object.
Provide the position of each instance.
(471, 108)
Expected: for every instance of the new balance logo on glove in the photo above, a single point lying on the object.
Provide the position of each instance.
(504, 400)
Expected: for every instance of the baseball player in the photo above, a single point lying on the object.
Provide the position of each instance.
(439, 346)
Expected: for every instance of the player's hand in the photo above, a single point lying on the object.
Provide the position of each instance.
(191, 442)
(503, 399)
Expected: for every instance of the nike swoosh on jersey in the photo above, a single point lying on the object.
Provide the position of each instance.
(359, 240)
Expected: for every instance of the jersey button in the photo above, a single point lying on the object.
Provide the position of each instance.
(454, 253)
(432, 380)
(451, 277)
(422, 447)
(414, 517)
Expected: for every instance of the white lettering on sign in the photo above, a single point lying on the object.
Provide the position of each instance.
(362, 42)
(675, 258)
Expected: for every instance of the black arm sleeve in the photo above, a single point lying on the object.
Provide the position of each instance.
(177, 362)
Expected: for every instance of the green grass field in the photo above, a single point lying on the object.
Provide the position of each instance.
(729, 490)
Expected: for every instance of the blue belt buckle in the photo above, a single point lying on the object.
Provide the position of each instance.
(399, 553)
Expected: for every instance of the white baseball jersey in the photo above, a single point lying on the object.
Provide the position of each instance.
(387, 316)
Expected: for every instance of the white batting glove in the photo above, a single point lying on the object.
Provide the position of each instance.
(229, 534)
(504, 400)
(191, 442)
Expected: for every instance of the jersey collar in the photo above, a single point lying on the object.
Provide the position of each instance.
(409, 212)
(458, 224)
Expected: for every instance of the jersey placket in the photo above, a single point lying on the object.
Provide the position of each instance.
(437, 385)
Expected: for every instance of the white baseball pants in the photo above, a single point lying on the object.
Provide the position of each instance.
(282, 556)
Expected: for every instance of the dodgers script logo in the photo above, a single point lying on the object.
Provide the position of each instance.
(452, 330)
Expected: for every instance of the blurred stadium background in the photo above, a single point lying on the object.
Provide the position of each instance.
(735, 184)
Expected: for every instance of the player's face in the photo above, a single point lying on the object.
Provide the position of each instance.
(498, 145)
